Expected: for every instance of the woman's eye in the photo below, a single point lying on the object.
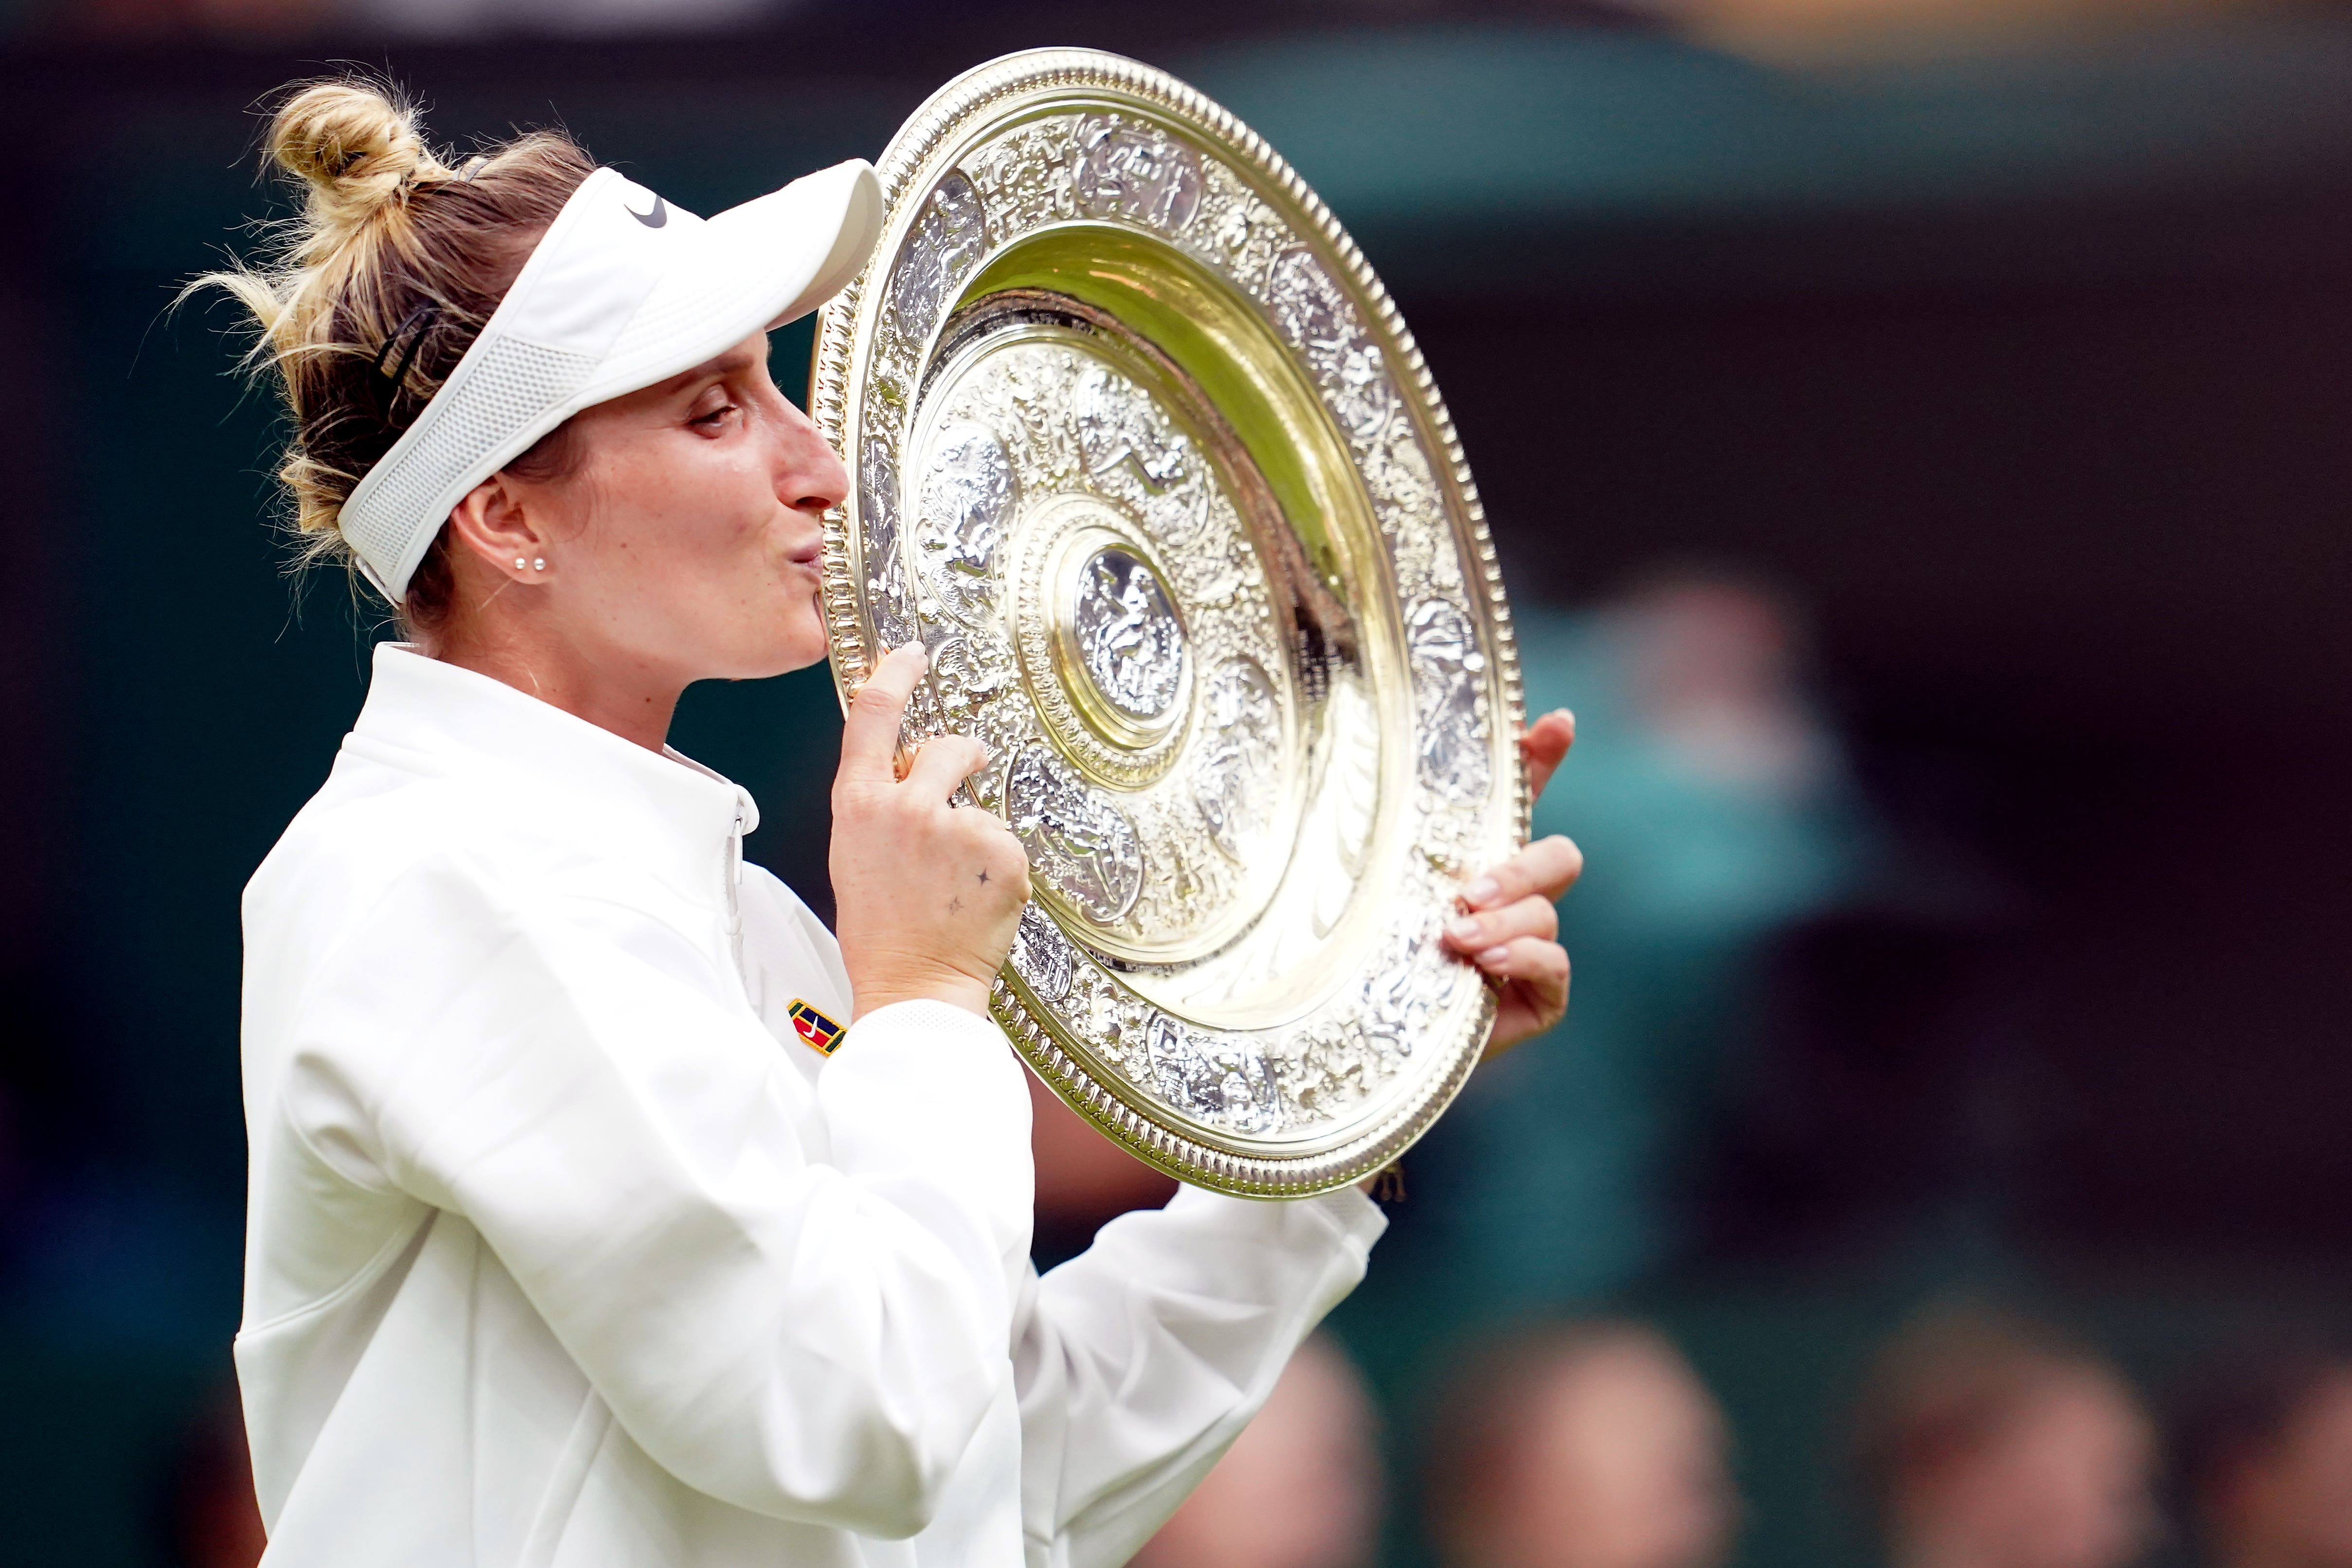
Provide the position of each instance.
(716, 417)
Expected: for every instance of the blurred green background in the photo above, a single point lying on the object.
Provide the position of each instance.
(2018, 365)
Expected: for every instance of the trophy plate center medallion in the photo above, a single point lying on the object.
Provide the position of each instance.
(1128, 641)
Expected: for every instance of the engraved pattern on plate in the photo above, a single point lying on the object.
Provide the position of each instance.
(1113, 425)
(1447, 672)
(1127, 634)
(1076, 839)
(1237, 769)
(1236, 233)
(1320, 320)
(969, 494)
(1024, 176)
(886, 568)
(1400, 1000)
(1333, 1067)
(1137, 172)
(1041, 954)
(1212, 1078)
(939, 254)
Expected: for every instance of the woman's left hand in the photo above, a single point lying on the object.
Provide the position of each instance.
(1508, 927)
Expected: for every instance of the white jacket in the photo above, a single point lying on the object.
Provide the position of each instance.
(564, 1248)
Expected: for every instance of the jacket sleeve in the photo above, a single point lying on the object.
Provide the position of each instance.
(814, 1342)
(1141, 1360)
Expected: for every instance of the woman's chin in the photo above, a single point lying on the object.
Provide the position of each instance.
(779, 661)
(759, 658)
(795, 639)
(805, 647)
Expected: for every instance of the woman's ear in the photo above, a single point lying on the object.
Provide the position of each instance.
(495, 522)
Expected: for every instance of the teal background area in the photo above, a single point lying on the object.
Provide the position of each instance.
(179, 698)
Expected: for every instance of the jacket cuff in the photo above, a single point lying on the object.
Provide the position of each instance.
(1349, 1219)
(1353, 1214)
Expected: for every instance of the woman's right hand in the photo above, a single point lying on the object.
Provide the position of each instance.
(926, 895)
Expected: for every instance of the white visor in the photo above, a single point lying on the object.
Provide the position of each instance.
(622, 290)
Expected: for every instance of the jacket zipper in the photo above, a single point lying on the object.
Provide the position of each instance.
(734, 899)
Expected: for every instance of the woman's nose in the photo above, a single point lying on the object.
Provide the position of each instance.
(809, 478)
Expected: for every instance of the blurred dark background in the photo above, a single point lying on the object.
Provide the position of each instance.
(1978, 376)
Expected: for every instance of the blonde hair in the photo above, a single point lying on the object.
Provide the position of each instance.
(366, 301)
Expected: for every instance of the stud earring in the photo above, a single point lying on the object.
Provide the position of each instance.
(518, 562)
(538, 565)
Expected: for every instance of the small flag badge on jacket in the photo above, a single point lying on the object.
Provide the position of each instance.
(813, 1027)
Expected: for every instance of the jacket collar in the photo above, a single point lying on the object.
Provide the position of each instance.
(555, 771)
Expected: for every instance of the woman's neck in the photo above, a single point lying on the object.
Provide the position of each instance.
(613, 693)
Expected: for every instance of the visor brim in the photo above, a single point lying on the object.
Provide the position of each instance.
(752, 267)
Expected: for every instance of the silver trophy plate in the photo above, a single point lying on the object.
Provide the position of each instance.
(1146, 458)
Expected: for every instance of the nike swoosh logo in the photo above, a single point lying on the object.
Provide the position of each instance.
(654, 219)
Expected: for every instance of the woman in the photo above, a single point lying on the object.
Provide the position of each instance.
(579, 1233)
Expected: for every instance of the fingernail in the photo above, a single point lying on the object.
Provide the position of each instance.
(1479, 891)
(1462, 927)
(1493, 956)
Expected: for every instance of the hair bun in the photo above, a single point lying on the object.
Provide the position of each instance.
(354, 146)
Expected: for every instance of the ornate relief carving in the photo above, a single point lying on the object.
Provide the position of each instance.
(1236, 233)
(1448, 677)
(1077, 840)
(1322, 323)
(939, 254)
(1134, 170)
(1214, 1079)
(1128, 639)
(1041, 954)
(1023, 175)
(1237, 774)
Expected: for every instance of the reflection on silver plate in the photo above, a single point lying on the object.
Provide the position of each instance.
(1146, 458)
